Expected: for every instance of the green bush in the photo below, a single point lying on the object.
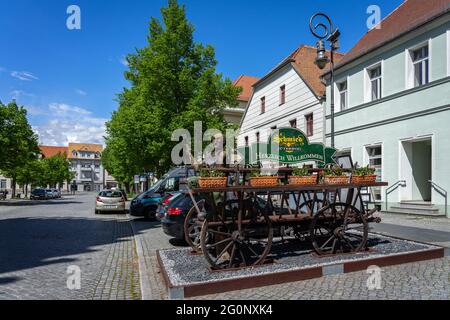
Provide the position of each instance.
(301, 172)
(364, 171)
(335, 171)
(210, 173)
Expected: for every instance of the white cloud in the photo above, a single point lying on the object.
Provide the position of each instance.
(81, 92)
(124, 61)
(24, 75)
(17, 94)
(70, 124)
(62, 110)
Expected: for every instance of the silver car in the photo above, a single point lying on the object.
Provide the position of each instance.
(110, 201)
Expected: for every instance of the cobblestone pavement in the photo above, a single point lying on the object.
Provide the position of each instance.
(151, 237)
(423, 280)
(39, 242)
(429, 280)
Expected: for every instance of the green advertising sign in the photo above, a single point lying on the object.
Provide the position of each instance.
(290, 146)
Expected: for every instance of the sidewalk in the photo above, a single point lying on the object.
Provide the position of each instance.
(423, 229)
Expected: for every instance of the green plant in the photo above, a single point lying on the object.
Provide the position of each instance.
(335, 171)
(259, 173)
(209, 173)
(364, 171)
(255, 174)
(192, 182)
(301, 172)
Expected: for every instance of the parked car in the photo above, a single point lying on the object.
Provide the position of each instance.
(56, 193)
(39, 194)
(123, 192)
(146, 204)
(172, 214)
(110, 201)
(3, 194)
(50, 193)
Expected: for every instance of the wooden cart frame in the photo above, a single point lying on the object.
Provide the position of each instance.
(235, 226)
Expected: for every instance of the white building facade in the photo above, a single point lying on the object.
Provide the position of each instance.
(393, 106)
(291, 95)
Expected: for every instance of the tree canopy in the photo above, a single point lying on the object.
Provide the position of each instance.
(173, 83)
(18, 142)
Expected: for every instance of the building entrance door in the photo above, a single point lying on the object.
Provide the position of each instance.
(416, 169)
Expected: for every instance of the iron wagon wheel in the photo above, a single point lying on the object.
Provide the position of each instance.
(230, 248)
(339, 228)
(192, 227)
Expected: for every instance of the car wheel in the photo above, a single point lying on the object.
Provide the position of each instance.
(150, 214)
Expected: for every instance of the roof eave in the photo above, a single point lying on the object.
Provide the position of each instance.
(341, 65)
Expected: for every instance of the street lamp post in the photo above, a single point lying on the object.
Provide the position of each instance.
(332, 36)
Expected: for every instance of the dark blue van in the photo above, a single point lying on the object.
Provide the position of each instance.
(146, 204)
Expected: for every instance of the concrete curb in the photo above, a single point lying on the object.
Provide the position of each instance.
(146, 292)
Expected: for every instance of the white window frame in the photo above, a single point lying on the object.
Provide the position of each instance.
(368, 81)
(366, 160)
(409, 64)
(448, 53)
(337, 95)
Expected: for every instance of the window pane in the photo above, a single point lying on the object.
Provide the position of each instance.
(417, 74)
(343, 100)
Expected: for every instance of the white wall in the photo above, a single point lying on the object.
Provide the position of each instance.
(300, 101)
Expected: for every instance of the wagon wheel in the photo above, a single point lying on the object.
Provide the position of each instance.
(229, 248)
(192, 228)
(339, 228)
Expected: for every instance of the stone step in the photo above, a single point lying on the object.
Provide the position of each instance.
(431, 212)
(416, 203)
(414, 208)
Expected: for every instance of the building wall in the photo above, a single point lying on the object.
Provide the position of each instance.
(403, 113)
(300, 101)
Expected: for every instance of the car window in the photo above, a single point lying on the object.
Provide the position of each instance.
(171, 184)
(110, 194)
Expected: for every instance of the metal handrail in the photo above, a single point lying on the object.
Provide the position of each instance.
(441, 191)
(400, 183)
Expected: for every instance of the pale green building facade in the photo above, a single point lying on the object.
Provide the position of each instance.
(392, 107)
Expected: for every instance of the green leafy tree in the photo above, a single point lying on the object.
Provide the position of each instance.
(56, 170)
(173, 83)
(18, 142)
(31, 174)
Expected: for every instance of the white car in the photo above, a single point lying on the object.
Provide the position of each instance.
(50, 193)
(56, 193)
(110, 201)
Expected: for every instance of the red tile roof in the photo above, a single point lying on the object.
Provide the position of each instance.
(48, 151)
(302, 59)
(246, 83)
(408, 16)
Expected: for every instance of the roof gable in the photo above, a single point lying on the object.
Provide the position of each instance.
(302, 59)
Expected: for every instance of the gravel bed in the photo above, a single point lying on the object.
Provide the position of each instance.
(183, 268)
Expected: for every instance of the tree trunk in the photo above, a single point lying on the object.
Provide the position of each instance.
(13, 188)
(26, 190)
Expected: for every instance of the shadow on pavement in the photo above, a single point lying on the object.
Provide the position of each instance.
(29, 203)
(8, 280)
(33, 242)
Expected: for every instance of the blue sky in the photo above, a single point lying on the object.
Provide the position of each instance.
(68, 80)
